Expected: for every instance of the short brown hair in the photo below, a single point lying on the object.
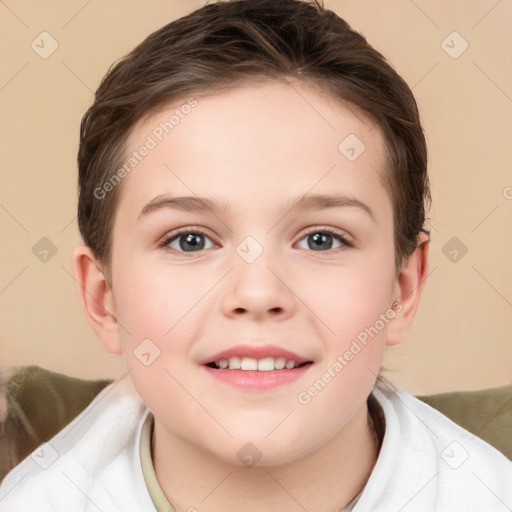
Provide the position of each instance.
(225, 44)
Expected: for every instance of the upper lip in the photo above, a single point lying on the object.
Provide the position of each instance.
(256, 352)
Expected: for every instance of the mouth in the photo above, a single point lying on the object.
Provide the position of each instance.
(254, 367)
(265, 364)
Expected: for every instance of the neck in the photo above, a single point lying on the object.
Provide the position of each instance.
(325, 480)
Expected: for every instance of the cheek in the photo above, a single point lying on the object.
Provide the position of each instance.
(156, 310)
(348, 299)
(156, 301)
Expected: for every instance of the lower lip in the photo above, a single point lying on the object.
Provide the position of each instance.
(255, 379)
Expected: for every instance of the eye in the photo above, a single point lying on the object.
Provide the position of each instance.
(324, 239)
(188, 240)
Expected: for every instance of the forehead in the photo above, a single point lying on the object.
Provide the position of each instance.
(252, 141)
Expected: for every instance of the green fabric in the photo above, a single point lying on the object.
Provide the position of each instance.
(487, 413)
(41, 402)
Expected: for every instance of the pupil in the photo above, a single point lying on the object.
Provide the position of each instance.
(192, 241)
(319, 239)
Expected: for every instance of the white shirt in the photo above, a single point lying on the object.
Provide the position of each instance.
(426, 462)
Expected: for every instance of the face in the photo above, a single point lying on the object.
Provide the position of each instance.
(257, 272)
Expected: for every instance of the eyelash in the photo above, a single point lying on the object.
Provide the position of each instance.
(339, 235)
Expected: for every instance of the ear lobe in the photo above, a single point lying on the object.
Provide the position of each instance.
(96, 299)
(409, 285)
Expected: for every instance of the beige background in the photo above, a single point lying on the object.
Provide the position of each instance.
(462, 337)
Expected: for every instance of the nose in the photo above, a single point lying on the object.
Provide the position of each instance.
(259, 290)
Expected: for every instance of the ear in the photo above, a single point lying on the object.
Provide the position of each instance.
(408, 287)
(96, 298)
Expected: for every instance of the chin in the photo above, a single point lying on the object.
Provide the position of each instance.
(258, 451)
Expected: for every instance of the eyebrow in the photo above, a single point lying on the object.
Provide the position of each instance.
(305, 202)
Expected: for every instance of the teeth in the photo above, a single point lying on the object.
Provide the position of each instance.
(248, 363)
(234, 363)
(267, 364)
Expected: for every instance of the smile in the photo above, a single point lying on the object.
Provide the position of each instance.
(256, 374)
(265, 364)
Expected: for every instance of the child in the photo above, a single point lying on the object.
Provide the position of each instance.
(258, 132)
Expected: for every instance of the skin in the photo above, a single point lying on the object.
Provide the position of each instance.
(255, 147)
